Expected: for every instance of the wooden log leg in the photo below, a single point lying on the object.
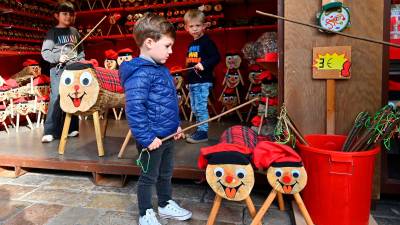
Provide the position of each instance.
(183, 112)
(5, 126)
(120, 113)
(303, 209)
(119, 28)
(239, 115)
(105, 123)
(249, 113)
(97, 129)
(115, 113)
(223, 110)
(212, 107)
(258, 218)
(260, 126)
(191, 116)
(17, 127)
(214, 210)
(252, 209)
(38, 119)
(123, 147)
(281, 203)
(64, 135)
(29, 122)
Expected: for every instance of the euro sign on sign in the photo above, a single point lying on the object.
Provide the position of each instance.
(331, 62)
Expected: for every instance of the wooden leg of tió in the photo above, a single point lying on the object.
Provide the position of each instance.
(223, 110)
(281, 203)
(249, 113)
(115, 113)
(239, 115)
(105, 124)
(29, 122)
(303, 209)
(97, 129)
(191, 116)
(64, 135)
(252, 209)
(17, 127)
(38, 119)
(123, 147)
(214, 210)
(120, 113)
(264, 208)
(5, 127)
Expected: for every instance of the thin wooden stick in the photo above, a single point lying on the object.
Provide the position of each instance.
(88, 34)
(183, 70)
(324, 29)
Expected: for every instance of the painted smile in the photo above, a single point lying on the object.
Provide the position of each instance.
(287, 188)
(76, 100)
(230, 192)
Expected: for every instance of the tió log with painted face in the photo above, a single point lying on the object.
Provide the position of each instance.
(85, 89)
(228, 169)
(287, 179)
(233, 61)
(124, 55)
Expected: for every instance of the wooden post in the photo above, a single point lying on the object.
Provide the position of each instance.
(64, 135)
(264, 208)
(123, 147)
(214, 210)
(330, 106)
(252, 209)
(97, 129)
(303, 209)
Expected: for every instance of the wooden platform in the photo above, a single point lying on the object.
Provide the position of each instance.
(24, 150)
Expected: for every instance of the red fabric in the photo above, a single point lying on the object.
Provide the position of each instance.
(125, 50)
(3, 107)
(394, 86)
(256, 89)
(271, 57)
(266, 153)
(256, 121)
(109, 80)
(12, 83)
(40, 80)
(20, 100)
(45, 98)
(111, 54)
(271, 101)
(264, 75)
(255, 68)
(229, 90)
(30, 62)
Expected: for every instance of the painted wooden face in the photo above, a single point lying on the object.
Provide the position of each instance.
(232, 80)
(3, 95)
(229, 101)
(42, 90)
(43, 106)
(23, 108)
(269, 90)
(35, 70)
(253, 95)
(3, 114)
(124, 58)
(253, 77)
(79, 90)
(231, 181)
(110, 64)
(233, 61)
(287, 180)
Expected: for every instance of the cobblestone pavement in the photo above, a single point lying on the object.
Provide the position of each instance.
(67, 198)
(61, 198)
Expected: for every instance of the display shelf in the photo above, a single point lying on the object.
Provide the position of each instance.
(48, 2)
(145, 7)
(182, 32)
(177, 20)
(10, 26)
(22, 13)
(20, 40)
(17, 53)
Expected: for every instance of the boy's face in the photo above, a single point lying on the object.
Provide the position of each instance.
(65, 18)
(159, 50)
(195, 27)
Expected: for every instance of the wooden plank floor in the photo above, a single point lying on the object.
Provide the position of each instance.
(24, 149)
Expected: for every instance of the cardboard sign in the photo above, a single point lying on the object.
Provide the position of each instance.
(332, 62)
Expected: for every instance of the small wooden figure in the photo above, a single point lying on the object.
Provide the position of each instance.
(88, 90)
(255, 92)
(229, 101)
(42, 106)
(285, 174)
(124, 55)
(255, 71)
(113, 19)
(228, 168)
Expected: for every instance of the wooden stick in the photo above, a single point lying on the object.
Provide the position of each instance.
(252, 209)
(126, 141)
(330, 106)
(303, 209)
(267, 203)
(324, 29)
(214, 210)
(182, 70)
(88, 34)
(64, 135)
(281, 203)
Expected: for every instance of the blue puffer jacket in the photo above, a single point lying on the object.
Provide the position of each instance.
(151, 100)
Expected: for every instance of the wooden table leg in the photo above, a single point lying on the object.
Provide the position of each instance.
(258, 218)
(214, 210)
(281, 203)
(123, 147)
(97, 129)
(303, 209)
(64, 135)
(252, 209)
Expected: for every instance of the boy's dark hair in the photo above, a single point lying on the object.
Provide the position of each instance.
(152, 26)
(65, 7)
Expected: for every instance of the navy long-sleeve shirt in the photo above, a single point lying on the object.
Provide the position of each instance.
(205, 51)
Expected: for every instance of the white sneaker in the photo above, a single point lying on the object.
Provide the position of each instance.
(73, 134)
(149, 219)
(174, 211)
(47, 138)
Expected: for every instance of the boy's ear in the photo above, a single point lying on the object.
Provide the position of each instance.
(56, 15)
(148, 42)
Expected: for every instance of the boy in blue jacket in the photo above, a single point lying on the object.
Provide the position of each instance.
(152, 113)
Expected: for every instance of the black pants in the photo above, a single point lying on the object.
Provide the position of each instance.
(161, 166)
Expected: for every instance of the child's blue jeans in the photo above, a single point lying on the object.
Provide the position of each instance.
(198, 102)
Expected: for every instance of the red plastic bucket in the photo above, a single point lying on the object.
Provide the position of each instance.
(338, 191)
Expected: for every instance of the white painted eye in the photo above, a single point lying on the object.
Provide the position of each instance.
(278, 172)
(67, 78)
(86, 79)
(295, 173)
(219, 172)
(241, 173)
